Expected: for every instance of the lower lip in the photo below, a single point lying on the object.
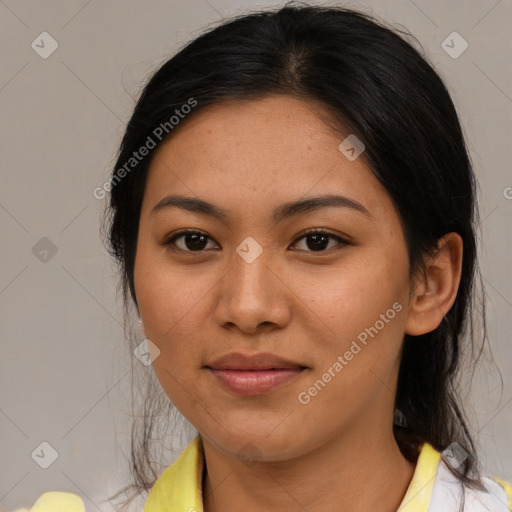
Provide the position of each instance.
(255, 382)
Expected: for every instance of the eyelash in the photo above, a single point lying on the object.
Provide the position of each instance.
(318, 231)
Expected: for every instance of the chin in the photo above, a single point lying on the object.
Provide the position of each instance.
(253, 446)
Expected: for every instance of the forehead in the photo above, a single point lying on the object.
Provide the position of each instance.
(264, 151)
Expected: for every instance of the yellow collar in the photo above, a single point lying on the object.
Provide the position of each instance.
(179, 488)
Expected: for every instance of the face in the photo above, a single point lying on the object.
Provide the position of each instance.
(323, 289)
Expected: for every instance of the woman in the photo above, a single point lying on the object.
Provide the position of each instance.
(293, 211)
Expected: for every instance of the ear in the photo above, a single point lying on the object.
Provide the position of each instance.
(436, 289)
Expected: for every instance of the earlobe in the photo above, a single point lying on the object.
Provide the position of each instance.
(436, 289)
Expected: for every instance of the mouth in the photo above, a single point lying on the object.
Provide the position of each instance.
(254, 375)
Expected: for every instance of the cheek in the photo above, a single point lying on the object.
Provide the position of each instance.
(359, 314)
(362, 320)
(348, 298)
(170, 299)
(171, 305)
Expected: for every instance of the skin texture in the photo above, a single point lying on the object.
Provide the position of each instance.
(296, 302)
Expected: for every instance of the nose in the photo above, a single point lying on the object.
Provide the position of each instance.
(253, 295)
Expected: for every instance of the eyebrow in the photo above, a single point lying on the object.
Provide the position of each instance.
(282, 212)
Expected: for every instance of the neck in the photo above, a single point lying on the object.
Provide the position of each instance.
(336, 476)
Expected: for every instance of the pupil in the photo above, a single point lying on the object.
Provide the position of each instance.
(196, 239)
(316, 239)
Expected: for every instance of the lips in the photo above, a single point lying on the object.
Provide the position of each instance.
(254, 375)
(261, 361)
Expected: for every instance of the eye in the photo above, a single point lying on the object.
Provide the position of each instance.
(193, 241)
(318, 240)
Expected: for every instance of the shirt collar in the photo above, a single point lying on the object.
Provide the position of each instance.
(179, 488)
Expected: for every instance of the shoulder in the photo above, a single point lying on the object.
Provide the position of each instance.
(434, 488)
(507, 487)
(54, 500)
(449, 493)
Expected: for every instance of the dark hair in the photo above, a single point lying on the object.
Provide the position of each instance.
(378, 86)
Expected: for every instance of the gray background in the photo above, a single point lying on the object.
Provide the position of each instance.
(64, 363)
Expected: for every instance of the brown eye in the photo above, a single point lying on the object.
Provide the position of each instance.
(189, 241)
(196, 241)
(318, 241)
